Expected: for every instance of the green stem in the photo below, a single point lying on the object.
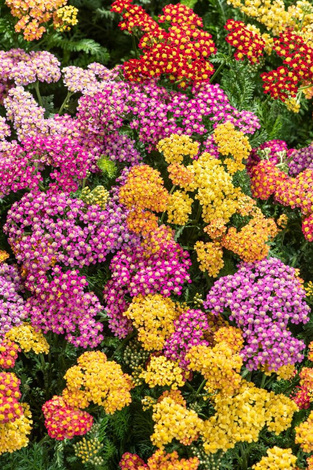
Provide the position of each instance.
(219, 68)
(201, 386)
(262, 385)
(38, 94)
(65, 102)
(163, 214)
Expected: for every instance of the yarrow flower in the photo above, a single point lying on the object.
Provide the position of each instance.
(180, 51)
(263, 298)
(63, 421)
(97, 380)
(28, 338)
(282, 459)
(34, 15)
(246, 414)
(12, 305)
(153, 316)
(160, 460)
(174, 421)
(163, 372)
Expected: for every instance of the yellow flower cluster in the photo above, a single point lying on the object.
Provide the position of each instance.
(153, 316)
(28, 338)
(216, 192)
(176, 147)
(309, 292)
(219, 365)
(304, 434)
(271, 13)
(99, 195)
(164, 372)
(232, 142)
(33, 14)
(144, 189)
(13, 435)
(240, 418)
(174, 421)
(278, 459)
(87, 450)
(65, 18)
(250, 243)
(210, 257)
(230, 335)
(179, 208)
(286, 372)
(3, 256)
(97, 380)
(182, 176)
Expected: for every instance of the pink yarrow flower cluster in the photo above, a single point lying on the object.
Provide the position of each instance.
(63, 305)
(51, 228)
(12, 305)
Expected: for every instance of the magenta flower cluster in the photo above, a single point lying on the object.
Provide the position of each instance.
(63, 305)
(263, 298)
(190, 328)
(135, 272)
(12, 306)
(21, 167)
(52, 228)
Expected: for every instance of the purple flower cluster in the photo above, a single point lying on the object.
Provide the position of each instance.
(263, 298)
(21, 167)
(190, 328)
(301, 160)
(135, 272)
(63, 305)
(119, 147)
(51, 228)
(12, 306)
(22, 68)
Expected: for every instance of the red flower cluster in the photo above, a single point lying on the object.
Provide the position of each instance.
(180, 51)
(284, 81)
(63, 421)
(10, 408)
(247, 43)
(8, 353)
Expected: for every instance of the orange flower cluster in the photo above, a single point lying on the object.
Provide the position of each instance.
(33, 14)
(304, 434)
(143, 192)
(267, 180)
(250, 243)
(158, 461)
(180, 51)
